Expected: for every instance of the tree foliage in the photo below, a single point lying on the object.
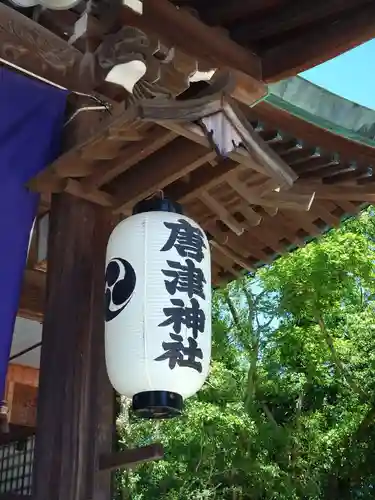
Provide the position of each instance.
(288, 411)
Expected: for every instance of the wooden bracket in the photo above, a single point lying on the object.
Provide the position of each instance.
(130, 458)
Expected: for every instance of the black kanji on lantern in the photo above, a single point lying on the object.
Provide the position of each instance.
(187, 278)
(192, 317)
(179, 354)
(186, 239)
(184, 277)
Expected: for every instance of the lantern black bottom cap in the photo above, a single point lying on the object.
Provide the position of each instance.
(157, 405)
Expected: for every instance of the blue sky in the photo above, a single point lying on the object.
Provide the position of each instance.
(351, 75)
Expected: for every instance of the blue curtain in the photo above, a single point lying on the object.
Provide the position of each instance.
(31, 121)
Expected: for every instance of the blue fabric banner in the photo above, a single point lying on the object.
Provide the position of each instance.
(31, 121)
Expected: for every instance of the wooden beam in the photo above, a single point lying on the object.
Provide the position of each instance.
(321, 43)
(30, 46)
(196, 134)
(340, 147)
(95, 196)
(348, 176)
(336, 192)
(202, 179)
(247, 90)
(127, 459)
(291, 16)
(227, 239)
(323, 213)
(75, 401)
(224, 262)
(179, 28)
(222, 213)
(275, 166)
(164, 167)
(274, 199)
(98, 129)
(349, 207)
(31, 305)
(237, 259)
(128, 157)
(252, 217)
(224, 12)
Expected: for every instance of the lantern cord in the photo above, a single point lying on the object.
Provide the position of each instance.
(25, 351)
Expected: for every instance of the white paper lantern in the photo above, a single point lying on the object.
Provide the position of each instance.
(158, 311)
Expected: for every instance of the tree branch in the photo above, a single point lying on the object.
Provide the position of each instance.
(340, 367)
(232, 309)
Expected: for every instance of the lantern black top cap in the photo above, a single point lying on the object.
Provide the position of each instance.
(157, 205)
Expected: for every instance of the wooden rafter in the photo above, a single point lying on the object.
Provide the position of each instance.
(202, 179)
(226, 12)
(179, 27)
(114, 125)
(130, 458)
(252, 217)
(292, 16)
(233, 256)
(222, 213)
(273, 199)
(336, 192)
(320, 43)
(241, 155)
(339, 146)
(129, 156)
(123, 126)
(276, 167)
(224, 262)
(152, 174)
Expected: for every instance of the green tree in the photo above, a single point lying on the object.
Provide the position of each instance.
(288, 411)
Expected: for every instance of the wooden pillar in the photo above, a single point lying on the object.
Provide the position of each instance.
(75, 407)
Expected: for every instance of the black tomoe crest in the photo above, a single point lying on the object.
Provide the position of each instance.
(120, 282)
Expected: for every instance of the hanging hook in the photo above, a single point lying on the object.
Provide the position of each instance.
(84, 108)
(157, 193)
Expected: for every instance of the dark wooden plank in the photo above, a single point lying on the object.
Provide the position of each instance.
(128, 157)
(350, 175)
(315, 136)
(321, 43)
(336, 191)
(87, 131)
(204, 178)
(195, 134)
(167, 165)
(276, 167)
(130, 458)
(179, 28)
(16, 433)
(225, 12)
(31, 304)
(293, 15)
(75, 420)
(29, 45)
